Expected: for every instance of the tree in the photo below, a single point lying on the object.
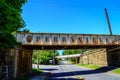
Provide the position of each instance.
(44, 56)
(10, 15)
(10, 21)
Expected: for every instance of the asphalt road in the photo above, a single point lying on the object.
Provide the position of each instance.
(73, 72)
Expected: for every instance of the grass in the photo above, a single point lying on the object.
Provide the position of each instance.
(117, 71)
(35, 72)
(91, 66)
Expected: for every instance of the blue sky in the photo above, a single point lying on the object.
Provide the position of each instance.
(72, 16)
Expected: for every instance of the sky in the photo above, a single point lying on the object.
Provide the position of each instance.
(71, 16)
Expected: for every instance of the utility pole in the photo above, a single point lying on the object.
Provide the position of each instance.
(53, 57)
(109, 26)
(37, 59)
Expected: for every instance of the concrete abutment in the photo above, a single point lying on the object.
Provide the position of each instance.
(19, 62)
(24, 64)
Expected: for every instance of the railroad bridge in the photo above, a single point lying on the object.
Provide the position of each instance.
(65, 41)
(60, 41)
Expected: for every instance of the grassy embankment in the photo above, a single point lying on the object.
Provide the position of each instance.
(35, 72)
(91, 66)
(117, 71)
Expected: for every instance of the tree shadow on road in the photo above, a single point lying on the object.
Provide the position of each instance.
(96, 71)
(64, 79)
(49, 69)
(84, 72)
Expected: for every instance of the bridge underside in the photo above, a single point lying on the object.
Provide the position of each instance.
(62, 47)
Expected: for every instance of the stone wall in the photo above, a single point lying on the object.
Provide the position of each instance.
(95, 56)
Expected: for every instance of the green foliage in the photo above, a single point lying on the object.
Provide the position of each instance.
(23, 31)
(117, 71)
(7, 40)
(35, 70)
(10, 21)
(43, 56)
(91, 66)
(10, 15)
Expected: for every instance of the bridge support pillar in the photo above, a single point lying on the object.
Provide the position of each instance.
(24, 62)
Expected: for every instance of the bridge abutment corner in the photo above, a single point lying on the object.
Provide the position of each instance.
(24, 62)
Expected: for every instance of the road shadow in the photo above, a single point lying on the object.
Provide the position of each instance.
(96, 71)
(51, 69)
(84, 72)
(63, 79)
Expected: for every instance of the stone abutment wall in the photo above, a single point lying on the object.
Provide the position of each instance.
(103, 57)
(94, 56)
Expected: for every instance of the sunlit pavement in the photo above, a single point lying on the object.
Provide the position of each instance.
(72, 72)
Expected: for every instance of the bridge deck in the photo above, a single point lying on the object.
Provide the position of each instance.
(66, 41)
